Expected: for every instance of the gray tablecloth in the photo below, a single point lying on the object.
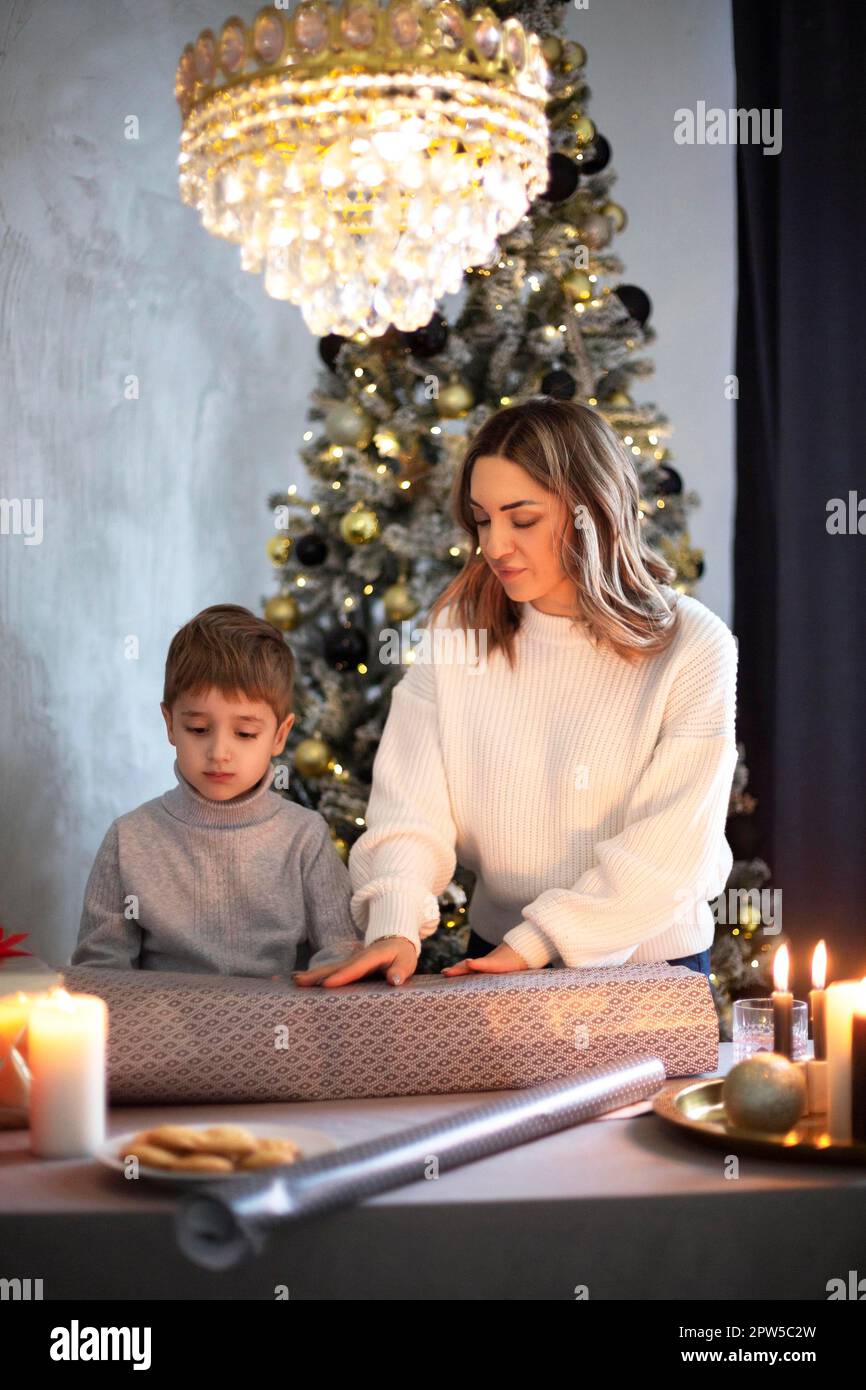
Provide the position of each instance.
(627, 1207)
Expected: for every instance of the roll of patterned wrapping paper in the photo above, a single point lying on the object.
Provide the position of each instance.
(221, 1225)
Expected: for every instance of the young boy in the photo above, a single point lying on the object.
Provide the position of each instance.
(220, 874)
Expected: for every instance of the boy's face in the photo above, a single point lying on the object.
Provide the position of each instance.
(223, 745)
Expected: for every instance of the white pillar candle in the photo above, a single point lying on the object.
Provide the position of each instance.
(842, 999)
(67, 1043)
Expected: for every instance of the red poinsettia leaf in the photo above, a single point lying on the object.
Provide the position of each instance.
(8, 942)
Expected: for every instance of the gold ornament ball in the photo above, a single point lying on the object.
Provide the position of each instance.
(578, 206)
(596, 231)
(577, 285)
(346, 424)
(574, 55)
(399, 603)
(454, 401)
(312, 756)
(359, 528)
(617, 215)
(620, 398)
(341, 847)
(551, 47)
(584, 129)
(765, 1092)
(279, 549)
(283, 612)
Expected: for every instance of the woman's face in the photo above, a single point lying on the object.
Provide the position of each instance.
(520, 526)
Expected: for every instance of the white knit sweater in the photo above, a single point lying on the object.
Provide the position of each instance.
(588, 796)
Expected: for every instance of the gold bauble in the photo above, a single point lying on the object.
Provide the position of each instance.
(766, 1092)
(574, 55)
(620, 398)
(345, 423)
(577, 285)
(584, 129)
(283, 612)
(595, 231)
(279, 549)
(454, 401)
(578, 206)
(399, 603)
(360, 527)
(617, 215)
(312, 756)
(341, 847)
(551, 47)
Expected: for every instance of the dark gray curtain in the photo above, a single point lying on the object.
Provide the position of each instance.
(800, 592)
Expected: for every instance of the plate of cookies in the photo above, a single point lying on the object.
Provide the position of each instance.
(195, 1153)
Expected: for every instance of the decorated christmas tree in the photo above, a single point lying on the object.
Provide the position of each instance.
(367, 543)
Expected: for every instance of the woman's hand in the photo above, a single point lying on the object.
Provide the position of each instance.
(395, 956)
(498, 962)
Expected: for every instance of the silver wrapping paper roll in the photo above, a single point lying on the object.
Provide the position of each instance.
(222, 1224)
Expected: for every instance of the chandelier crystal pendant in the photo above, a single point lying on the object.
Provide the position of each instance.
(363, 157)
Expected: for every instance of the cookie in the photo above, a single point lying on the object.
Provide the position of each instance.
(202, 1163)
(151, 1155)
(177, 1138)
(270, 1152)
(230, 1141)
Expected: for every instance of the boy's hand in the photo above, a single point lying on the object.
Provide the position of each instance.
(395, 956)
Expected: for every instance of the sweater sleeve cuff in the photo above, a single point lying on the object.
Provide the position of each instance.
(390, 912)
(530, 943)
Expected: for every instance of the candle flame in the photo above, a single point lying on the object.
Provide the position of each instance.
(819, 965)
(780, 969)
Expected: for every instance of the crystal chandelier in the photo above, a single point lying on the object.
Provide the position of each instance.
(363, 157)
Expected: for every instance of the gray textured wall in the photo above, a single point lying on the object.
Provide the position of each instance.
(155, 507)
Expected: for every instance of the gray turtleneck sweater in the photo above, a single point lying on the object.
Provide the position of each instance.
(252, 886)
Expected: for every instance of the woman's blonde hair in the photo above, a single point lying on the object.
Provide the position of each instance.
(572, 451)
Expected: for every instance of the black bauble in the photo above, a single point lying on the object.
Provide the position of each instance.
(562, 179)
(599, 159)
(427, 341)
(559, 383)
(311, 549)
(636, 301)
(345, 647)
(329, 347)
(671, 483)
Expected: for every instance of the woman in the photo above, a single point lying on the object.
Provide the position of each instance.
(582, 770)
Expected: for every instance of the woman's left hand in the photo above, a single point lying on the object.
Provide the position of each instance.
(500, 960)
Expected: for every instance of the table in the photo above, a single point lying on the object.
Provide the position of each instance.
(628, 1207)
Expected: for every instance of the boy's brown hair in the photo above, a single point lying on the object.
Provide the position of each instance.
(228, 648)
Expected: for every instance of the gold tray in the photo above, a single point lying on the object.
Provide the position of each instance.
(697, 1108)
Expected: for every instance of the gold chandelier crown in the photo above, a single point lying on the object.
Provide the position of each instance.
(363, 156)
(361, 36)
